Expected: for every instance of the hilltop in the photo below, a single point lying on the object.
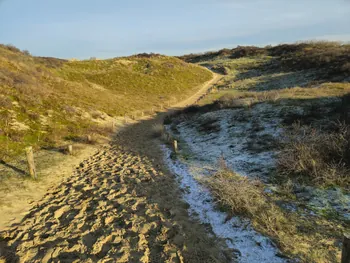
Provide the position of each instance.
(331, 59)
(45, 101)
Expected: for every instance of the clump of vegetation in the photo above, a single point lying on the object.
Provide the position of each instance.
(247, 51)
(317, 157)
(157, 130)
(331, 56)
(311, 240)
(209, 125)
(241, 196)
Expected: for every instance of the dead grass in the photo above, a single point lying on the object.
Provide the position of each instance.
(246, 199)
(311, 240)
(316, 157)
(232, 98)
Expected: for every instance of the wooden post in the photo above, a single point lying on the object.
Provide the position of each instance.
(70, 149)
(345, 256)
(175, 146)
(30, 161)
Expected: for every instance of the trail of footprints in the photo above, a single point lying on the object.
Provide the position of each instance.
(99, 214)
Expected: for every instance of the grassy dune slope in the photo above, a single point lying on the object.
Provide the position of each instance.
(45, 100)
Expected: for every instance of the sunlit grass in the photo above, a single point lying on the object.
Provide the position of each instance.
(55, 99)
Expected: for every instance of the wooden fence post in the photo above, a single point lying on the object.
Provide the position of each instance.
(345, 256)
(70, 149)
(30, 161)
(175, 146)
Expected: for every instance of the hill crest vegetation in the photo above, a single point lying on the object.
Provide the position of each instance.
(45, 100)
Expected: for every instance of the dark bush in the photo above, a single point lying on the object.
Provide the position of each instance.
(247, 51)
(191, 109)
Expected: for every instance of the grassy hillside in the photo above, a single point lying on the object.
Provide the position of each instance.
(331, 59)
(46, 100)
(303, 91)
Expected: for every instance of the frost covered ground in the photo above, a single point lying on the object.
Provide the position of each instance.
(231, 139)
(246, 139)
(249, 245)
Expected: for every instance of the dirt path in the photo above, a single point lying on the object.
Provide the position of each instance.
(199, 93)
(120, 205)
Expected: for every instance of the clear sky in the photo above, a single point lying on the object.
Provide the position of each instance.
(110, 28)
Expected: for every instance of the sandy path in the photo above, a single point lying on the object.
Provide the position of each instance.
(120, 205)
(199, 93)
(17, 194)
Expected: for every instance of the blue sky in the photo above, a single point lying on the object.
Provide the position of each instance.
(110, 28)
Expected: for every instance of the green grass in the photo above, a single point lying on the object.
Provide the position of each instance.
(52, 99)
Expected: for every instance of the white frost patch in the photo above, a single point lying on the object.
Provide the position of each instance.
(252, 246)
(237, 136)
(231, 141)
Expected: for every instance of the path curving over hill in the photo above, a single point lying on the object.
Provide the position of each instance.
(120, 205)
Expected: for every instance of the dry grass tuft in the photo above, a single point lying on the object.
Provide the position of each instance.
(317, 157)
(247, 198)
(310, 240)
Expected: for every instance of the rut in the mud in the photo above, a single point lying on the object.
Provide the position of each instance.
(105, 213)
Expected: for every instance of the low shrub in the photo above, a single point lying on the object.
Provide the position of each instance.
(157, 130)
